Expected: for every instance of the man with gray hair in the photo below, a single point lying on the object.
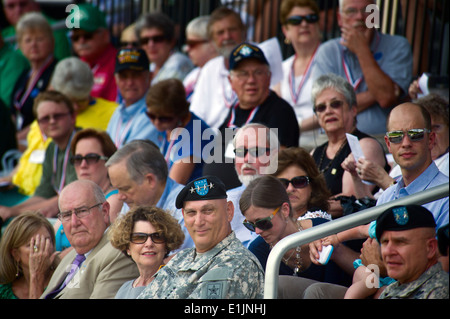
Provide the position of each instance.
(256, 149)
(139, 172)
(378, 66)
(94, 268)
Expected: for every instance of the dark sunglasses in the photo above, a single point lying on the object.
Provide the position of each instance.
(263, 224)
(141, 238)
(296, 20)
(132, 44)
(155, 39)
(162, 119)
(90, 158)
(297, 181)
(57, 116)
(254, 151)
(86, 36)
(414, 135)
(319, 108)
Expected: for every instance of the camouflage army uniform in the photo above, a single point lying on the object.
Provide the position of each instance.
(432, 284)
(227, 271)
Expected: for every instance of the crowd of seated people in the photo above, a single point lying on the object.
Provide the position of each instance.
(148, 172)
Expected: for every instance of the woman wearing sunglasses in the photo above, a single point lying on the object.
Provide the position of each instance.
(183, 144)
(300, 25)
(91, 149)
(335, 106)
(305, 186)
(147, 235)
(268, 212)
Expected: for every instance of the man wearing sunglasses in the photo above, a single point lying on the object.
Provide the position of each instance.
(379, 66)
(409, 138)
(219, 266)
(100, 269)
(91, 42)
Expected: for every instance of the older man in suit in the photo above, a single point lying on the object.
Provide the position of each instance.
(93, 269)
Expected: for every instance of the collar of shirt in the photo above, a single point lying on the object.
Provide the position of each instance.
(128, 112)
(419, 184)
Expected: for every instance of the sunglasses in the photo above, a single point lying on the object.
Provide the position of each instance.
(193, 43)
(132, 44)
(86, 36)
(414, 135)
(296, 20)
(297, 181)
(141, 238)
(336, 104)
(57, 116)
(263, 224)
(254, 151)
(162, 119)
(90, 159)
(155, 39)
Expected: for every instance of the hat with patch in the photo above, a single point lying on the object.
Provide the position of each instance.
(203, 188)
(406, 217)
(90, 18)
(131, 59)
(246, 51)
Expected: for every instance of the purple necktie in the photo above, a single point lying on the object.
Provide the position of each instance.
(73, 269)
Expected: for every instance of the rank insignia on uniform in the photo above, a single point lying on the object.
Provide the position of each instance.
(400, 215)
(214, 291)
(202, 187)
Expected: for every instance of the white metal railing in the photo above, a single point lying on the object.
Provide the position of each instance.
(335, 226)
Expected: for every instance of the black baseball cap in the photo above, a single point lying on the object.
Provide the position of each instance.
(131, 59)
(246, 51)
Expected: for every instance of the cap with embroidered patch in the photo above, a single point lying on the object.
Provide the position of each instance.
(406, 217)
(203, 188)
(246, 51)
(131, 59)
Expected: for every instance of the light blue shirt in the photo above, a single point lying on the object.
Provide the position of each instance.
(394, 56)
(131, 123)
(430, 178)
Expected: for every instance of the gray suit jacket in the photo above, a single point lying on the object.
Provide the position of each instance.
(100, 276)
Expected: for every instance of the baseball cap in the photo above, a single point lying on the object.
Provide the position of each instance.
(246, 51)
(90, 18)
(131, 59)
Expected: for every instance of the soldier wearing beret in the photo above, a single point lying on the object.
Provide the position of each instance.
(409, 249)
(219, 267)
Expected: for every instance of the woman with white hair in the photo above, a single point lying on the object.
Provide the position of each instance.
(35, 40)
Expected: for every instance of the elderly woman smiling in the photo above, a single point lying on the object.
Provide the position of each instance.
(147, 235)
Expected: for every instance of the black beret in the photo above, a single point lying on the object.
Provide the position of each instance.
(203, 188)
(403, 218)
(442, 235)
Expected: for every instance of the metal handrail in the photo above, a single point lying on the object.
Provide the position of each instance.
(335, 226)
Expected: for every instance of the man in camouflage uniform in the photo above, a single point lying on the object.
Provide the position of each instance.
(410, 251)
(219, 267)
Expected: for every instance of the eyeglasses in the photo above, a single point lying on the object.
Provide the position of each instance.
(297, 181)
(79, 212)
(141, 238)
(86, 36)
(155, 39)
(162, 119)
(57, 116)
(253, 151)
(90, 159)
(297, 20)
(352, 12)
(245, 75)
(336, 104)
(415, 134)
(263, 224)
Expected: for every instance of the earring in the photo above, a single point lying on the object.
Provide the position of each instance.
(17, 268)
(287, 41)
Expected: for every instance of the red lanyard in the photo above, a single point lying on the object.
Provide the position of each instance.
(295, 93)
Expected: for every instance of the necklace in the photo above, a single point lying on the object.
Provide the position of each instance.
(322, 156)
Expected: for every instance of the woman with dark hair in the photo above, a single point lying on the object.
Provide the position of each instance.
(182, 147)
(305, 186)
(156, 34)
(147, 235)
(268, 212)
